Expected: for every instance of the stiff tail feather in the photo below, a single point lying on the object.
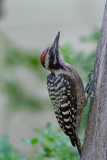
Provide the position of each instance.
(76, 141)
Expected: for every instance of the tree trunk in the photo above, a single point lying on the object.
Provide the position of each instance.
(95, 142)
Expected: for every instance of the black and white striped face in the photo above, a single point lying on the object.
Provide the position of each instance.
(51, 57)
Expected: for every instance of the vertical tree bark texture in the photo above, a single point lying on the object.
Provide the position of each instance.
(95, 142)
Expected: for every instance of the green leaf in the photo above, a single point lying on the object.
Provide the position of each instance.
(38, 130)
(48, 128)
(34, 141)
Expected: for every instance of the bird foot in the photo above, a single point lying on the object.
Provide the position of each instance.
(89, 85)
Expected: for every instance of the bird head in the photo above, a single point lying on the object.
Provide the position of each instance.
(51, 58)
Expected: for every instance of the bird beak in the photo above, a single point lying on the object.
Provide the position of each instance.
(55, 45)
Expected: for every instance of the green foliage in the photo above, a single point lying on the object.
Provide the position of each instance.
(6, 151)
(52, 145)
(48, 145)
(93, 37)
(12, 59)
(19, 99)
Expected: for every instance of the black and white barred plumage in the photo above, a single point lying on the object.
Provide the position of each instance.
(66, 91)
(62, 92)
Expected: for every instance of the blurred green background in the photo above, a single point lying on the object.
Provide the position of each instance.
(28, 127)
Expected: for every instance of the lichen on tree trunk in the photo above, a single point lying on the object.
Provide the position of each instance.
(95, 141)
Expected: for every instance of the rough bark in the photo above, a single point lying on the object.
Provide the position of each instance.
(95, 142)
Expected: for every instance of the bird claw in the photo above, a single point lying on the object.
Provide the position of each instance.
(91, 93)
(89, 84)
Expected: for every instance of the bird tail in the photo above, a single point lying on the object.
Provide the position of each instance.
(76, 141)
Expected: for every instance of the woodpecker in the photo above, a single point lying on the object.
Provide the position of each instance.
(66, 91)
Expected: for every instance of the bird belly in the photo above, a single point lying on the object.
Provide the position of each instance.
(61, 100)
